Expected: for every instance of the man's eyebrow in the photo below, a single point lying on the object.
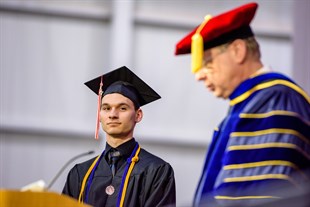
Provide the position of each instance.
(119, 104)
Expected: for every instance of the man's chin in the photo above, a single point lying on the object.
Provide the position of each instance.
(219, 95)
(117, 134)
(114, 133)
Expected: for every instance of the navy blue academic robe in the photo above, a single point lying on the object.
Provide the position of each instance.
(262, 145)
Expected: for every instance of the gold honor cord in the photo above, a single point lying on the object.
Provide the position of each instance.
(81, 200)
(134, 159)
(132, 164)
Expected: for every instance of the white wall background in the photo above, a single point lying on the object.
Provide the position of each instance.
(48, 49)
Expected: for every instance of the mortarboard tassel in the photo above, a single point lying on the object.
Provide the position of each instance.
(98, 110)
(197, 47)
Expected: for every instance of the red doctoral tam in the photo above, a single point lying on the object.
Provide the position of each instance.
(226, 27)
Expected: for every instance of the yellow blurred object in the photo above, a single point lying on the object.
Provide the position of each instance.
(197, 52)
(197, 47)
(14, 198)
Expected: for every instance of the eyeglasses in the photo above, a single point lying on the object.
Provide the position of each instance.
(209, 60)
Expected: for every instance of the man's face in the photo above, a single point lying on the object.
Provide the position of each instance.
(118, 116)
(218, 71)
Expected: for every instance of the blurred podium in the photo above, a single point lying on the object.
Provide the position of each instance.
(11, 198)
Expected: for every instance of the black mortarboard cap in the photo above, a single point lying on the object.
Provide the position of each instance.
(125, 82)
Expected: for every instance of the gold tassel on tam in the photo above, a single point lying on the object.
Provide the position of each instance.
(197, 47)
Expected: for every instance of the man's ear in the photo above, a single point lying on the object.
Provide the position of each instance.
(239, 49)
(139, 115)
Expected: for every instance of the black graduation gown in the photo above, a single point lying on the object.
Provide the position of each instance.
(151, 183)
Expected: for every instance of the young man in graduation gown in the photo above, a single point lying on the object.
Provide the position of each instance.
(261, 149)
(124, 174)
